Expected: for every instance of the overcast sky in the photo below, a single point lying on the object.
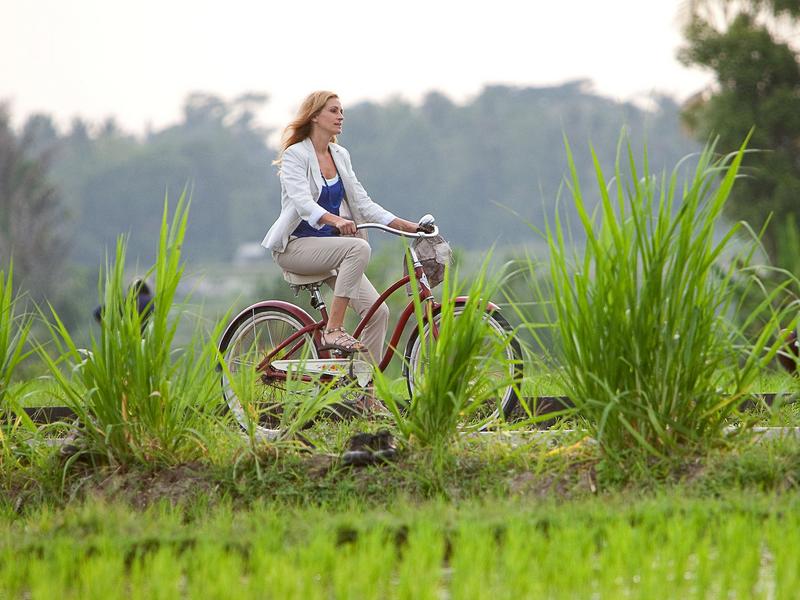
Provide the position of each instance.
(138, 60)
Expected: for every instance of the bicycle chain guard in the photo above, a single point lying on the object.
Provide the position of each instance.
(357, 370)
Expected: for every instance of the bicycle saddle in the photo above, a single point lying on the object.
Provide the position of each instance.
(297, 279)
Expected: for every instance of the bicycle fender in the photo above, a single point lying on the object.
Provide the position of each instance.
(292, 309)
(461, 301)
(490, 306)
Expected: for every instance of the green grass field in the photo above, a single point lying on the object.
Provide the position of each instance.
(661, 547)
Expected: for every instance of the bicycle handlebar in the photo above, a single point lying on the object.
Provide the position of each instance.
(393, 231)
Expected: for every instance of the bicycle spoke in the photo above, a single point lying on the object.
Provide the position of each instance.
(271, 340)
(507, 367)
(242, 362)
(264, 397)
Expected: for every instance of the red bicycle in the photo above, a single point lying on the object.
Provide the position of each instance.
(280, 342)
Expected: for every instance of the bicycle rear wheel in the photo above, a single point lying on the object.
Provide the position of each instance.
(256, 399)
(506, 368)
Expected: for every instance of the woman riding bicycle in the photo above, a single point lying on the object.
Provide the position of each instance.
(320, 192)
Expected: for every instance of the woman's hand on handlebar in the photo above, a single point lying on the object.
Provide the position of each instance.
(426, 224)
(345, 227)
(411, 227)
(340, 224)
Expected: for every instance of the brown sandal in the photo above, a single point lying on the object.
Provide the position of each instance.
(344, 342)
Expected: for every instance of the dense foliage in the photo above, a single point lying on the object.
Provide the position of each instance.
(757, 75)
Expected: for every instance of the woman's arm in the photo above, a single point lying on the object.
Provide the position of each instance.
(404, 225)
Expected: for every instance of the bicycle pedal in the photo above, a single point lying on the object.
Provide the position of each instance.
(360, 372)
(338, 351)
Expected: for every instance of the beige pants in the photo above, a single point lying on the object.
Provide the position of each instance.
(348, 255)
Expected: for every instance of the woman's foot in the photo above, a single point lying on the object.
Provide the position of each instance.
(339, 339)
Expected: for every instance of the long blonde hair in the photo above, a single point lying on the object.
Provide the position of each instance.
(300, 127)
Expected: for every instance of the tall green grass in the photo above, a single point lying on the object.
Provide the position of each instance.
(14, 331)
(455, 389)
(15, 425)
(138, 397)
(650, 347)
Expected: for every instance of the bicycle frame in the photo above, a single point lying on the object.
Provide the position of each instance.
(424, 295)
(314, 328)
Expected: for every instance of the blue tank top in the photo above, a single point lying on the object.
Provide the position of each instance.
(330, 199)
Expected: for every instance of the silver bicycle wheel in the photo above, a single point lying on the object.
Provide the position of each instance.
(254, 399)
(507, 367)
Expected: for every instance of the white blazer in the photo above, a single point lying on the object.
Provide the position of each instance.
(301, 186)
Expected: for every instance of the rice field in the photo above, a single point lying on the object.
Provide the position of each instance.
(667, 547)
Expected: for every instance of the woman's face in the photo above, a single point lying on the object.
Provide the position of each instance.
(331, 117)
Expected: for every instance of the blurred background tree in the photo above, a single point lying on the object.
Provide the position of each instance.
(31, 212)
(757, 85)
(115, 183)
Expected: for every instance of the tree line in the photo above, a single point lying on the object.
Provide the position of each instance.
(485, 168)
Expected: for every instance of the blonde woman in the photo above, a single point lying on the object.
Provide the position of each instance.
(320, 191)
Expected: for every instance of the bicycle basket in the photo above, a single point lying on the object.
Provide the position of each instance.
(435, 254)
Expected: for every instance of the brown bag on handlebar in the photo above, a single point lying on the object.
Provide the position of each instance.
(435, 254)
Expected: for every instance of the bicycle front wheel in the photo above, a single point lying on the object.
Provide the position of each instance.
(507, 367)
(255, 399)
